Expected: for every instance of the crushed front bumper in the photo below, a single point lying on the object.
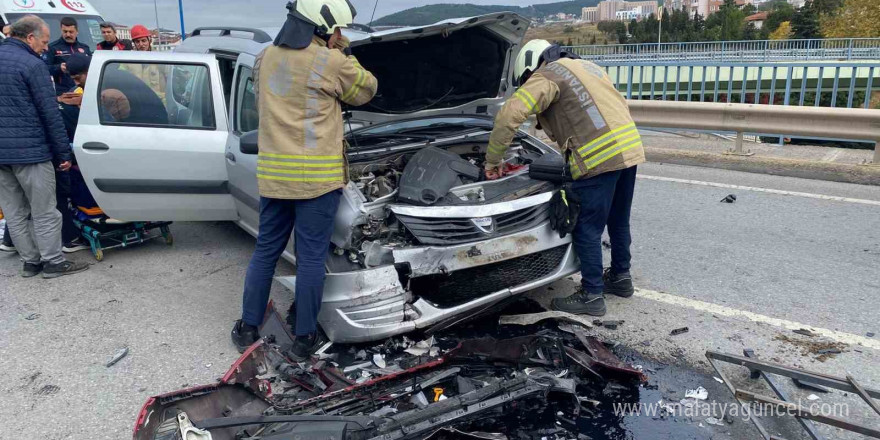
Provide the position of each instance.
(372, 304)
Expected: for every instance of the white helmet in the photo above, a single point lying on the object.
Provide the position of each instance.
(327, 15)
(528, 59)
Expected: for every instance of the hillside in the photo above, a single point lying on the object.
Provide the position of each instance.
(433, 13)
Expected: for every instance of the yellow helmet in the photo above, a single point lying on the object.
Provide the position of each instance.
(326, 15)
(528, 58)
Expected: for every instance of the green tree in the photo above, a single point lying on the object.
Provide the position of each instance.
(805, 22)
(779, 13)
(854, 19)
(729, 20)
(783, 32)
(773, 5)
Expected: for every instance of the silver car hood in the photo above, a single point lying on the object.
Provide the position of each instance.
(461, 65)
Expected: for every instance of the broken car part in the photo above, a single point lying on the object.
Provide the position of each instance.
(679, 331)
(792, 408)
(806, 424)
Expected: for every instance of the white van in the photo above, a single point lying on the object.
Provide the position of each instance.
(86, 16)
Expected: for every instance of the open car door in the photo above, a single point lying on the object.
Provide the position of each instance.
(152, 136)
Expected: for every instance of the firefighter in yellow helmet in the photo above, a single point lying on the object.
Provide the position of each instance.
(301, 81)
(581, 110)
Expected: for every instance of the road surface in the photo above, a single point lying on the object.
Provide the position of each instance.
(804, 254)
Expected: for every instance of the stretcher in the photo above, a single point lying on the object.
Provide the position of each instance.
(102, 232)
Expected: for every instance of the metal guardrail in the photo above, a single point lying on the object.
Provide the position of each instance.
(841, 49)
(807, 122)
(790, 83)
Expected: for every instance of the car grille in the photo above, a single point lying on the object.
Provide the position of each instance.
(465, 285)
(449, 231)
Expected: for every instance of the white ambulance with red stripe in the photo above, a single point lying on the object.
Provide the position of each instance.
(86, 16)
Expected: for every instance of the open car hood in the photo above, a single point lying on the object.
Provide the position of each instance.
(462, 64)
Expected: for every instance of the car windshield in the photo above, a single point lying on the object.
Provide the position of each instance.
(89, 27)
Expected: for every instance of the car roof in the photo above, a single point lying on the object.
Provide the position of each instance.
(240, 40)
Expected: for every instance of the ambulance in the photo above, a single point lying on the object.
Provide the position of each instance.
(53, 11)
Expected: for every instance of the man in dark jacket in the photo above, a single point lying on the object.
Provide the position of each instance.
(32, 137)
(111, 41)
(62, 49)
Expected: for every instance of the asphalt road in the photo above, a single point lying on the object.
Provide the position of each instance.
(736, 274)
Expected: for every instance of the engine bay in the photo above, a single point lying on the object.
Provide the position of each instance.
(382, 179)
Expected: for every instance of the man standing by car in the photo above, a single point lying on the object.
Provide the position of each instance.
(111, 41)
(581, 110)
(32, 136)
(62, 49)
(300, 82)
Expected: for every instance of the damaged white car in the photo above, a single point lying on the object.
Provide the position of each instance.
(421, 241)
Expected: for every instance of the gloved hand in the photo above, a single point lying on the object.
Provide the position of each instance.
(564, 210)
(494, 172)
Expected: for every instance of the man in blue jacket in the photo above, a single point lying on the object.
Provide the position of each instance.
(33, 143)
(61, 50)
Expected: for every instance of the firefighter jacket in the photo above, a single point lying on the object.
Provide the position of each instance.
(299, 95)
(581, 110)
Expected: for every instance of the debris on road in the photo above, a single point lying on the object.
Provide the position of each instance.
(32, 316)
(729, 199)
(714, 421)
(610, 325)
(869, 334)
(805, 332)
(717, 379)
(812, 397)
(524, 386)
(699, 394)
(121, 353)
(822, 348)
(679, 331)
(534, 318)
(809, 386)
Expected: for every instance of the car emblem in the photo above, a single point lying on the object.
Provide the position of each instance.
(484, 224)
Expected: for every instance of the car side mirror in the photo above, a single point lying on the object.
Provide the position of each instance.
(248, 142)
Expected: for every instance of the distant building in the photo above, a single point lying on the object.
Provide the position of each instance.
(758, 19)
(631, 14)
(590, 15)
(608, 9)
(708, 7)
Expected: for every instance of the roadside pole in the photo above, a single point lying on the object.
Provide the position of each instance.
(182, 26)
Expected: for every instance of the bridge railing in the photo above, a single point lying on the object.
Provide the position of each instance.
(807, 122)
(816, 84)
(842, 49)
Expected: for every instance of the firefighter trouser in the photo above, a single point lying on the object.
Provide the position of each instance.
(606, 200)
(311, 222)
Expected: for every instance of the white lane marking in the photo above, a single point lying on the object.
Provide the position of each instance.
(846, 338)
(764, 190)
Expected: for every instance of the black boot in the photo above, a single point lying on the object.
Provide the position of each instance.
(620, 284)
(31, 269)
(303, 347)
(581, 303)
(65, 268)
(244, 335)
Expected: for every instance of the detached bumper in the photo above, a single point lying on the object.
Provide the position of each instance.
(372, 304)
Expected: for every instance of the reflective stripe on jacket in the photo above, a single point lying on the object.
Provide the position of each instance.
(299, 95)
(581, 110)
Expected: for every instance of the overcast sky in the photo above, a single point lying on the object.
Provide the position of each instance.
(247, 12)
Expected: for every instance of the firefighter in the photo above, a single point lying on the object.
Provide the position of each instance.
(301, 81)
(153, 75)
(580, 109)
